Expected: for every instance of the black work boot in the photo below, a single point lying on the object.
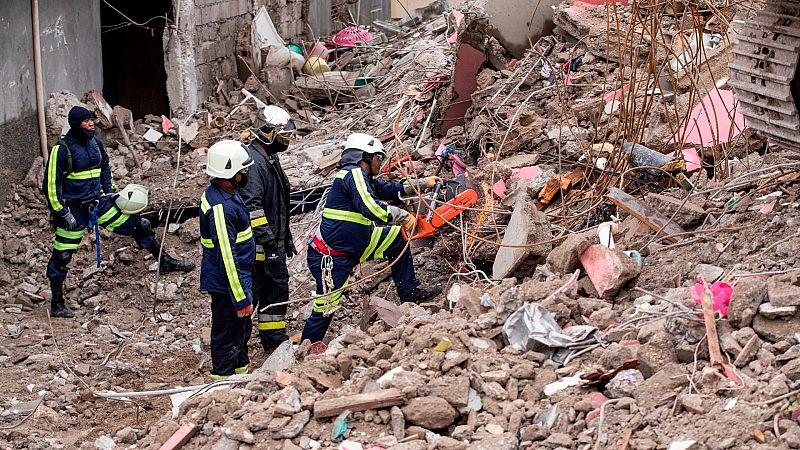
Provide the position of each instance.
(57, 307)
(168, 263)
(419, 295)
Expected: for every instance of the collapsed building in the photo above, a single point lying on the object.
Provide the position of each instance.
(626, 279)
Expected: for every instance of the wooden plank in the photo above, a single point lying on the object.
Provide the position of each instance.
(358, 402)
(554, 186)
(180, 437)
(645, 213)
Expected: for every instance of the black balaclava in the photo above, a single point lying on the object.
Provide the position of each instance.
(77, 115)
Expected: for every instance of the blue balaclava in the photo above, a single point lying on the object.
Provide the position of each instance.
(77, 115)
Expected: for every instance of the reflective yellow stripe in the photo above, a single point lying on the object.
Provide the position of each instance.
(336, 297)
(242, 370)
(258, 222)
(348, 216)
(244, 235)
(122, 218)
(204, 206)
(207, 243)
(107, 216)
(227, 254)
(263, 326)
(52, 168)
(261, 257)
(69, 234)
(361, 186)
(60, 246)
(84, 175)
(341, 174)
(374, 238)
(219, 377)
(393, 232)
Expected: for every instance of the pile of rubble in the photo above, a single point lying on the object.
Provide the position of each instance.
(448, 380)
(627, 280)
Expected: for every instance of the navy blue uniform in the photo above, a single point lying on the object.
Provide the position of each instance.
(354, 204)
(267, 195)
(76, 178)
(226, 274)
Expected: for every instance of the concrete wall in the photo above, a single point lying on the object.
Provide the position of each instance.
(71, 60)
(324, 22)
(203, 47)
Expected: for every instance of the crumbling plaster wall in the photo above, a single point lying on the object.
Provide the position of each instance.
(71, 60)
(201, 49)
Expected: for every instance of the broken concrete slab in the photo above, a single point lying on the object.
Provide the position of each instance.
(527, 226)
(609, 270)
(745, 300)
(784, 290)
(771, 311)
(645, 213)
(565, 258)
(517, 23)
(775, 330)
(690, 213)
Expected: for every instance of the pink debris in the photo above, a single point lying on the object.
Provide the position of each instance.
(714, 121)
(499, 189)
(691, 157)
(618, 94)
(166, 124)
(608, 270)
(525, 173)
(319, 50)
(720, 290)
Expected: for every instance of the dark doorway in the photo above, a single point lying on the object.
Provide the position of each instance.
(133, 54)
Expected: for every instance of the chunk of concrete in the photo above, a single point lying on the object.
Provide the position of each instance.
(527, 225)
(784, 290)
(517, 23)
(690, 213)
(771, 311)
(433, 413)
(565, 258)
(608, 269)
(775, 330)
(745, 300)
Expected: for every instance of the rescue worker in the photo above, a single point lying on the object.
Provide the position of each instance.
(228, 255)
(267, 199)
(347, 236)
(79, 193)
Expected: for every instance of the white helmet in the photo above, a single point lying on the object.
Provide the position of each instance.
(274, 124)
(132, 199)
(364, 142)
(226, 158)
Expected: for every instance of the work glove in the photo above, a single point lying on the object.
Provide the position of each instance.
(71, 223)
(422, 184)
(410, 224)
(246, 311)
(397, 214)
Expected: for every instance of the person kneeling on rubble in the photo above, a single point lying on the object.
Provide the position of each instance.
(347, 236)
(79, 193)
(229, 253)
(267, 198)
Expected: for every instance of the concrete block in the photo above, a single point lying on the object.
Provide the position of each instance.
(511, 20)
(609, 270)
(784, 290)
(527, 225)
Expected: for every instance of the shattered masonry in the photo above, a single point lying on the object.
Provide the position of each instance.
(627, 279)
